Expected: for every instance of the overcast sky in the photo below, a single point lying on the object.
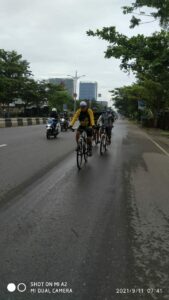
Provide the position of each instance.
(51, 35)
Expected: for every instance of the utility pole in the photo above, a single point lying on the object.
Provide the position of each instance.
(75, 80)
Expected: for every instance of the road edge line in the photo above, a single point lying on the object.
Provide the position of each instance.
(157, 145)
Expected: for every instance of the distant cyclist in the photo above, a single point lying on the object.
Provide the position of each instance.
(107, 119)
(97, 126)
(86, 119)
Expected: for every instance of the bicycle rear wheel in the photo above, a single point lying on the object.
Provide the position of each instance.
(79, 157)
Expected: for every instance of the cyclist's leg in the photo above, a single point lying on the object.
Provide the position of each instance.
(89, 132)
(78, 135)
(98, 133)
(108, 131)
(54, 123)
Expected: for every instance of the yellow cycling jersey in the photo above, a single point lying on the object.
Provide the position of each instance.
(86, 118)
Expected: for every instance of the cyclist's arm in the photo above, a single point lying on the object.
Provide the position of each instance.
(91, 117)
(75, 117)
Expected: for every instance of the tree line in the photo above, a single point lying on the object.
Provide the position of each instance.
(17, 82)
(147, 57)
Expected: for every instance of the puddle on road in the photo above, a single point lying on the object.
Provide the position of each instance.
(149, 220)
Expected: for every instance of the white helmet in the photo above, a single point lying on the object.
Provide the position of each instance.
(83, 104)
(54, 109)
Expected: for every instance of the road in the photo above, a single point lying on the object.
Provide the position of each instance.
(102, 229)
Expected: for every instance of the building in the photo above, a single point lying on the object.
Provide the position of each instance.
(67, 82)
(88, 91)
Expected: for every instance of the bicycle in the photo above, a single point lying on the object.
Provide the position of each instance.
(104, 140)
(82, 149)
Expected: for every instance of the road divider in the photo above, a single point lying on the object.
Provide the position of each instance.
(15, 122)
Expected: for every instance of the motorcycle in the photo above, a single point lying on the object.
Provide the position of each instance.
(53, 128)
(64, 124)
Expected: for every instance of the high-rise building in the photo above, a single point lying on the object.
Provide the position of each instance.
(88, 91)
(67, 82)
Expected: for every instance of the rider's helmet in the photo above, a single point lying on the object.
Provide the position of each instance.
(54, 109)
(83, 104)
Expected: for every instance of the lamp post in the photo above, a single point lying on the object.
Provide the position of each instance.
(75, 79)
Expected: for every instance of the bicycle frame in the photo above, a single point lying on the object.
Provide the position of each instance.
(82, 149)
(103, 140)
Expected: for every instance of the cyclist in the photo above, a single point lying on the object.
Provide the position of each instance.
(97, 126)
(86, 118)
(107, 119)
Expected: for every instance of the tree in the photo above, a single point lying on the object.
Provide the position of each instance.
(126, 99)
(57, 96)
(14, 71)
(146, 56)
(34, 93)
(139, 53)
(160, 11)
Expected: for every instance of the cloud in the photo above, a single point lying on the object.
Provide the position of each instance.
(51, 35)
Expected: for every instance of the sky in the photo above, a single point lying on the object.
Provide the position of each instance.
(51, 36)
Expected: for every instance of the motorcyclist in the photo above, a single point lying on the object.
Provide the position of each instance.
(55, 116)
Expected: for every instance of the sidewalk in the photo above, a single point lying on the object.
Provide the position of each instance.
(158, 135)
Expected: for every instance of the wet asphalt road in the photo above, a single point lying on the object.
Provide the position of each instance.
(28, 156)
(101, 229)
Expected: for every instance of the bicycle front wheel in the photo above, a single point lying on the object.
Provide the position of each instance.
(79, 156)
(102, 144)
(85, 152)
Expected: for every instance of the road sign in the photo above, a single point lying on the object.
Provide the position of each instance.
(141, 105)
(64, 107)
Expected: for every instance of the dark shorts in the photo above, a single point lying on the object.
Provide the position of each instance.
(97, 127)
(108, 130)
(88, 130)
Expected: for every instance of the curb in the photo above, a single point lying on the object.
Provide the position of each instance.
(15, 122)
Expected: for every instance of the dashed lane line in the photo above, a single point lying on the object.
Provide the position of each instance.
(3, 145)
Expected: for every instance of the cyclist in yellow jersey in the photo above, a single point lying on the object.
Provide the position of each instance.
(86, 119)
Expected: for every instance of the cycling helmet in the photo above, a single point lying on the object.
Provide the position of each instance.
(83, 104)
(54, 109)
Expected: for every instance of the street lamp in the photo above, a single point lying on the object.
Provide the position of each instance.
(75, 79)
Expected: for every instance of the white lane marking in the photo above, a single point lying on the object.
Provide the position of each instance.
(3, 145)
(158, 146)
